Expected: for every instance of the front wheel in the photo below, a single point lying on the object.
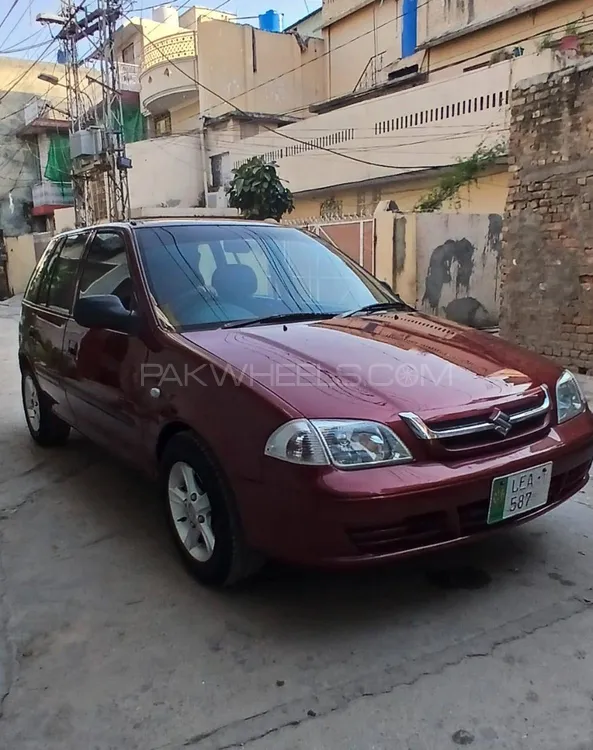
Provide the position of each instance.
(46, 429)
(202, 515)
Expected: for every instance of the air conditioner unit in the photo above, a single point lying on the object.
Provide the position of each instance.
(217, 199)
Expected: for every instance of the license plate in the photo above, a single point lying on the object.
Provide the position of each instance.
(520, 493)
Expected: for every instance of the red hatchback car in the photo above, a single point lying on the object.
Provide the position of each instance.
(291, 405)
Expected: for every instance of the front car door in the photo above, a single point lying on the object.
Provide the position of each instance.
(103, 367)
(46, 309)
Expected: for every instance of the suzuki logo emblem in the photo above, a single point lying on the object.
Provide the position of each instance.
(501, 422)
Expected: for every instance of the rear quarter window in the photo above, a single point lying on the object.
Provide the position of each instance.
(41, 270)
(64, 271)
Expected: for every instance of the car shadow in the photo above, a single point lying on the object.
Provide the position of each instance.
(131, 511)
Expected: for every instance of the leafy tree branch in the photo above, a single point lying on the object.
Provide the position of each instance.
(465, 172)
(257, 191)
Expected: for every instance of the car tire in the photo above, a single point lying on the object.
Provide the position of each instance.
(202, 514)
(45, 427)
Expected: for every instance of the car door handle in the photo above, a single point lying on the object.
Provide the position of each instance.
(72, 348)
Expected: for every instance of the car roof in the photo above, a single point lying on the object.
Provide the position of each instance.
(137, 223)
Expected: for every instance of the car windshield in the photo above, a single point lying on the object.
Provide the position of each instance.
(207, 275)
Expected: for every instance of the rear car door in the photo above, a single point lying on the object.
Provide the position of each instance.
(102, 367)
(46, 309)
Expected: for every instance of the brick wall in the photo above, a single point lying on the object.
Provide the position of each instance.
(547, 269)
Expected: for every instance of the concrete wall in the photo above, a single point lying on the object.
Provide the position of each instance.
(458, 266)
(21, 261)
(64, 219)
(371, 30)
(547, 294)
(439, 17)
(166, 172)
(332, 10)
(309, 25)
(423, 127)
(255, 70)
(526, 30)
(489, 194)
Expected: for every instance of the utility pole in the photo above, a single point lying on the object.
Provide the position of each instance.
(117, 174)
(82, 205)
(104, 168)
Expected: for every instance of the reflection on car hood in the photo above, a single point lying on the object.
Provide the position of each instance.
(375, 367)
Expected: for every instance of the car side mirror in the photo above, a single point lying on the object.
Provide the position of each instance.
(106, 311)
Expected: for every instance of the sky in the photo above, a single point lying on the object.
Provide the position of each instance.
(17, 30)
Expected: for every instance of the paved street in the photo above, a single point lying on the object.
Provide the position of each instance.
(107, 644)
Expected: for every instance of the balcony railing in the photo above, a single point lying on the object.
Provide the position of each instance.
(48, 193)
(168, 48)
(129, 76)
(370, 76)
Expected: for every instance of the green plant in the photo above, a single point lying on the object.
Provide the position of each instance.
(547, 42)
(465, 172)
(572, 29)
(258, 192)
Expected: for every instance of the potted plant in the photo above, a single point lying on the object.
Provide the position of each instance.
(571, 40)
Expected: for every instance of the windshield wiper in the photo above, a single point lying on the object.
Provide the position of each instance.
(282, 318)
(380, 307)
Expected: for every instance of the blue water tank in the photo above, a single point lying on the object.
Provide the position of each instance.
(409, 27)
(270, 21)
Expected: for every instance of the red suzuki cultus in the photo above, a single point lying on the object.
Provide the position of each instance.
(291, 405)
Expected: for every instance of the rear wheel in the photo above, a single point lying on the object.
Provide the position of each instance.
(45, 428)
(202, 516)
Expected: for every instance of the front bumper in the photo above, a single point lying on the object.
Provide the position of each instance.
(334, 518)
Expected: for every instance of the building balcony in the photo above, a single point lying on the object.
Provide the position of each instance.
(168, 72)
(49, 196)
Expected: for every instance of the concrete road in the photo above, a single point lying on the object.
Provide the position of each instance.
(107, 644)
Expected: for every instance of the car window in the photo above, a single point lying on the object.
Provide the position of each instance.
(317, 274)
(261, 271)
(105, 268)
(41, 270)
(64, 267)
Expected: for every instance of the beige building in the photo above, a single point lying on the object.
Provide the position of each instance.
(362, 100)
(395, 118)
(232, 61)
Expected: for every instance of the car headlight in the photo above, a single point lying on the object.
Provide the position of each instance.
(345, 443)
(569, 397)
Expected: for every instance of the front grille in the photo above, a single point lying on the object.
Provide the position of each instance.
(425, 529)
(503, 427)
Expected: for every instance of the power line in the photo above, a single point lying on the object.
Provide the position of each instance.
(377, 28)
(26, 48)
(12, 7)
(26, 72)
(324, 54)
(181, 7)
(279, 131)
(20, 18)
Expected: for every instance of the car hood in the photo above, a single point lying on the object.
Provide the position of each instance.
(377, 366)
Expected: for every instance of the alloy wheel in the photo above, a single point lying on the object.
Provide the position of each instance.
(191, 512)
(32, 405)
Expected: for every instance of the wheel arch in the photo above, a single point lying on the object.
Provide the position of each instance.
(24, 363)
(169, 431)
